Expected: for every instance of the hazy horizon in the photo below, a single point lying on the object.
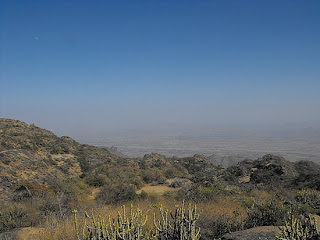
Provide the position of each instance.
(153, 68)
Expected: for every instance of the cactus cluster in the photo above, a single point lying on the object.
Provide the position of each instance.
(123, 227)
(303, 228)
(182, 226)
(177, 225)
(310, 197)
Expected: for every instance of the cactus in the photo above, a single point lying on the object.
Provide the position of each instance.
(121, 228)
(303, 228)
(309, 197)
(179, 226)
(182, 226)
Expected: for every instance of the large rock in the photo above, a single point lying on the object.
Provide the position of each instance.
(257, 233)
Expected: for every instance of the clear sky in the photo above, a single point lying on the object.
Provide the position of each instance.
(85, 67)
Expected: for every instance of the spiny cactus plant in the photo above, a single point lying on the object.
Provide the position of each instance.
(177, 225)
(309, 197)
(182, 225)
(123, 227)
(303, 228)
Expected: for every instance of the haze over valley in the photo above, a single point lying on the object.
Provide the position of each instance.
(299, 143)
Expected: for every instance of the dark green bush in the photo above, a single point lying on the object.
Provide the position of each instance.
(112, 193)
(211, 229)
(18, 215)
(149, 176)
(96, 180)
(200, 192)
(265, 212)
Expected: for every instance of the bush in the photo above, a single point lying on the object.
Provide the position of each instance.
(150, 176)
(18, 215)
(117, 193)
(96, 180)
(222, 224)
(265, 212)
(199, 192)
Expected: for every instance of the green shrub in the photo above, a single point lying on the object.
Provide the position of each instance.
(112, 193)
(200, 192)
(265, 212)
(149, 176)
(212, 228)
(18, 215)
(96, 180)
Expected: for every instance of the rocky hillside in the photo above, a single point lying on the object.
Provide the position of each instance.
(29, 154)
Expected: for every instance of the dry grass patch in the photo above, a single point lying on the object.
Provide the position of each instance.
(56, 230)
(220, 216)
(221, 206)
(160, 189)
(30, 233)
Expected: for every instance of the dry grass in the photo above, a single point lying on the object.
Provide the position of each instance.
(94, 193)
(30, 233)
(160, 189)
(244, 179)
(171, 180)
(54, 230)
(262, 194)
(221, 206)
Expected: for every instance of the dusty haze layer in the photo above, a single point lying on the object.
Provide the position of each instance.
(290, 141)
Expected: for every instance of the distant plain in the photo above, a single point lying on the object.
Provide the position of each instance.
(293, 144)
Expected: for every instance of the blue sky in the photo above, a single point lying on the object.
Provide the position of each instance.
(71, 66)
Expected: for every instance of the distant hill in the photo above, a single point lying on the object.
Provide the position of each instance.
(114, 150)
(226, 161)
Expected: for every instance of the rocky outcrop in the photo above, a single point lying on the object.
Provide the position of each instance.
(276, 171)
